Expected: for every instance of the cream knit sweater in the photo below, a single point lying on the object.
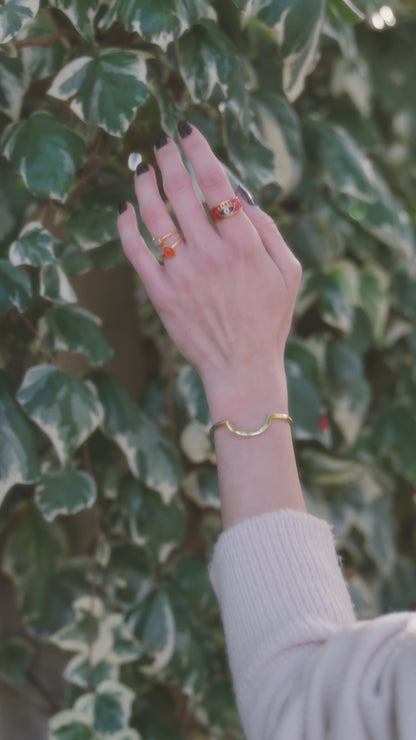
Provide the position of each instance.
(303, 667)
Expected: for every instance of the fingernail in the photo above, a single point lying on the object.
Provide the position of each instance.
(142, 167)
(184, 129)
(161, 141)
(245, 194)
(122, 206)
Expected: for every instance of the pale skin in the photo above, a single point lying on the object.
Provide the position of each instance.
(226, 298)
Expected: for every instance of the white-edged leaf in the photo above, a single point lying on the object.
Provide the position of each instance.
(18, 459)
(80, 13)
(55, 286)
(154, 625)
(66, 409)
(64, 492)
(189, 385)
(296, 26)
(13, 85)
(108, 709)
(13, 15)
(45, 152)
(76, 330)
(202, 487)
(92, 227)
(159, 23)
(33, 246)
(84, 630)
(70, 725)
(196, 442)
(82, 672)
(150, 456)
(15, 288)
(107, 90)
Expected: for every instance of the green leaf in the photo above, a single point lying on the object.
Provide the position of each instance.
(80, 13)
(154, 625)
(12, 86)
(129, 574)
(202, 488)
(106, 90)
(77, 330)
(346, 11)
(29, 557)
(13, 15)
(150, 456)
(16, 655)
(65, 408)
(18, 458)
(159, 23)
(82, 672)
(154, 525)
(375, 298)
(65, 492)
(33, 246)
(85, 629)
(68, 725)
(296, 26)
(45, 152)
(189, 385)
(55, 286)
(15, 288)
(394, 432)
(40, 62)
(92, 228)
(254, 160)
(108, 708)
(327, 470)
(209, 64)
(251, 7)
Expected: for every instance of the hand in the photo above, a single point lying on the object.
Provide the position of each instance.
(227, 296)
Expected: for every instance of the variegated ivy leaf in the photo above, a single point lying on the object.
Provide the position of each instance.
(210, 64)
(84, 630)
(128, 734)
(202, 487)
(129, 574)
(251, 7)
(358, 188)
(254, 160)
(346, 11)
(159, 23)
(76, 330)
(296, 26)
(150, 456)
(55, 286)
(375, 297)
(13, 15)
(326, 470)
(154, 625)
(69, 725)
(196, 443)
(18, 458)
(64, 492)
(108, 709)
(80, 13)
(66, 409)
(45, 152)
(106, 90)
(189, 385)
(154, 525)
(33, 246)
(15, 288)
(13, 86)
(40, 62)
(82, 671)
(92, 227)
(16, 655)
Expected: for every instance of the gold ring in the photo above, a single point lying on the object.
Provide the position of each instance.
(168, 249)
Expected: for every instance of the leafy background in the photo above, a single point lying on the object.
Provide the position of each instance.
(109, 503)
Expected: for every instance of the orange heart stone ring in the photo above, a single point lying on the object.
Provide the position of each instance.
(225, 209)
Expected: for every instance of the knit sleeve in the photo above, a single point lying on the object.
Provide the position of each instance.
(303, 667)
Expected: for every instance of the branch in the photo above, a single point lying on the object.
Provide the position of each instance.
(47, 40)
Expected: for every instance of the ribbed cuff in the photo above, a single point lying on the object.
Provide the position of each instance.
(279, 585)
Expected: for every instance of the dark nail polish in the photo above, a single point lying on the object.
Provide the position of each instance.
(184, 129)
(161, 141)
(142, 167)
(122, 206)
(245, 195)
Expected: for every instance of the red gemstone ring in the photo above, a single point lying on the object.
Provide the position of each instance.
(225, 209)
(168, 250)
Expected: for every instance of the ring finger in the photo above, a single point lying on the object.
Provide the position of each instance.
(154, 212)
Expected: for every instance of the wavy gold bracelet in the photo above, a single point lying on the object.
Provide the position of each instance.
(230, 426)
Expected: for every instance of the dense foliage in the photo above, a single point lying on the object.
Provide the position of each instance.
(312, 106)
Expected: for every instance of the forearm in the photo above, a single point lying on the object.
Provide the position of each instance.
(256, 474)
